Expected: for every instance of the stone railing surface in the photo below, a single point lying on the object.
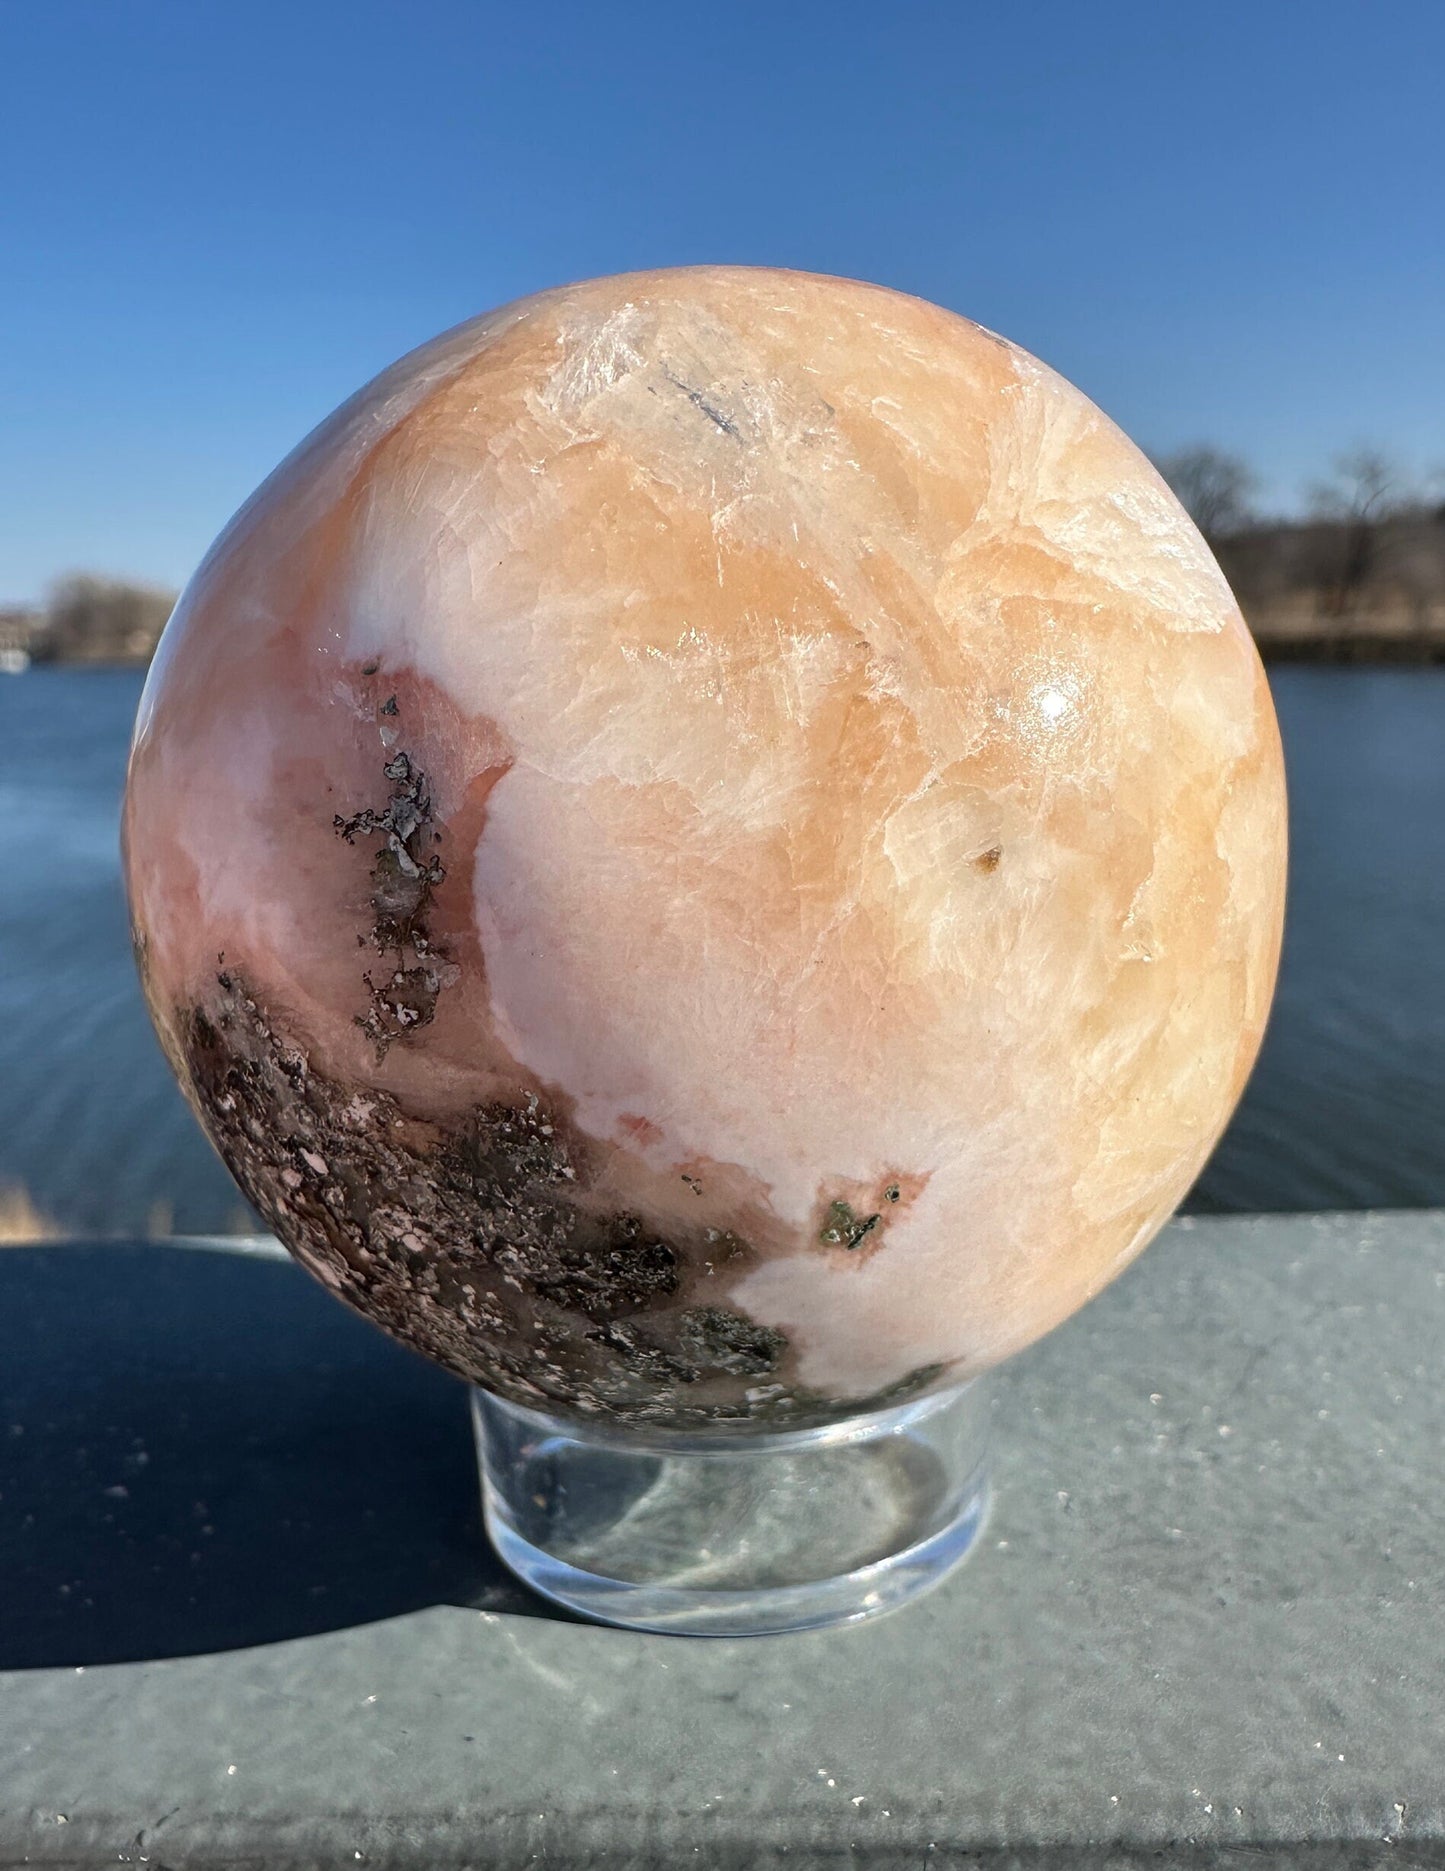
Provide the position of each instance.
(247, 1615)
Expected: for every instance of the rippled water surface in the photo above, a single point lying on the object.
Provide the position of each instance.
(1346, 1109)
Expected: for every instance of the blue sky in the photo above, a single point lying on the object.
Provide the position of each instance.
(1222, 220)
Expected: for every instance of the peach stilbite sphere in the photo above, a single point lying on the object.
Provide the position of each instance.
(711, 847)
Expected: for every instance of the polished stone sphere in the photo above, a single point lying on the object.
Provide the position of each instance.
(711, 848)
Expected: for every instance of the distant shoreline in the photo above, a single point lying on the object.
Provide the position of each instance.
(1361, 652)
(1350, 591)
(1351, 647)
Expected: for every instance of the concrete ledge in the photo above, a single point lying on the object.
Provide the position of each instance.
(1205, 1624)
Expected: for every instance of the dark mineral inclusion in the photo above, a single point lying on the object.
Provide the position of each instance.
(477, 1243)
(471, 1245)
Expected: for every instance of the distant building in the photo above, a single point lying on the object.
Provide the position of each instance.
(17, 632)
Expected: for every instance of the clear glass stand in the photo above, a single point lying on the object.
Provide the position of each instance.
(734, 1534)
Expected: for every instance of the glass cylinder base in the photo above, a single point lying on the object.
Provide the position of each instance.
(731, 1534)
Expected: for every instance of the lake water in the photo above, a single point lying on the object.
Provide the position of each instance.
(1346, 1108)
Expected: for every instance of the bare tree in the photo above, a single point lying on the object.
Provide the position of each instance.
(1365, 490)
(1215, 489)
(1366, 486)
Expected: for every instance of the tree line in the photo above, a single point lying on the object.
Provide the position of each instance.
(91, 619)
(1218, 490)
(1361, 574)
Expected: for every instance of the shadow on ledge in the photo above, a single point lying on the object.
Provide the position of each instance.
(200, 1451)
